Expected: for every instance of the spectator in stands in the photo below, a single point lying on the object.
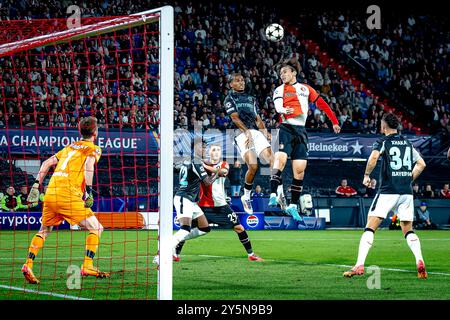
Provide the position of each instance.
(416, 191)
(235, 177)
(409, 129)
(258, 193)
(9, 202)
(423, 220)
(344, 190)
(445, 192)
(428, 193)
(371, 191)
(23, 204)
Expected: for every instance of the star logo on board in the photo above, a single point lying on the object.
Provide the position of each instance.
(357, 147)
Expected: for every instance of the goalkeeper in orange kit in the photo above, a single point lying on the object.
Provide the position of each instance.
(69, 197)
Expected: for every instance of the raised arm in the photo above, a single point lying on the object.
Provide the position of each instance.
(33, 196)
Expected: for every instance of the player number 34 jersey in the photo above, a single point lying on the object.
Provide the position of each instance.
(399, 158)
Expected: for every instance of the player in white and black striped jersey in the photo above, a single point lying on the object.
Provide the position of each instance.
(401, 165)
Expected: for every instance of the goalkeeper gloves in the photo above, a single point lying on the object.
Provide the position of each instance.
(88, 197)
(34, 193)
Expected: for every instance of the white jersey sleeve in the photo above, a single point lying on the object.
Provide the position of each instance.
(278, 100)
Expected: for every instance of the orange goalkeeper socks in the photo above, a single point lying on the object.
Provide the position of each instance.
(36, 244)
(92, 242)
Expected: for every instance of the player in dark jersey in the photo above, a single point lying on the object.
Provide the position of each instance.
(214, 204)
(401, 165)
(192, 174)
(252, 142)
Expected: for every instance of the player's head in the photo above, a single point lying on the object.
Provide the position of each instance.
(237, 82)
(199, 148)
(344, 182)
(289, 70)
(24, 189)
(215, 153)
(88, 128)
(389, 123)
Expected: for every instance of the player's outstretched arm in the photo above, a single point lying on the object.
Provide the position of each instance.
(371, 164)
(33, 196)
(418, 168)
(222, 171)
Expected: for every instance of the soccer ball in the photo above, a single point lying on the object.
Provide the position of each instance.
(274, 32)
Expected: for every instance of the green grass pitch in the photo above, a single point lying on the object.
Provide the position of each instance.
(298, 265)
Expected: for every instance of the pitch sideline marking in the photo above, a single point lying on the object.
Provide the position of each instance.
(66, 296)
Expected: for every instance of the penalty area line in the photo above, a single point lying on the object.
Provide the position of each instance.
(326, 264)
(58, 295)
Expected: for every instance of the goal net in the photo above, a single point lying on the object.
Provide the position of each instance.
(53, 73)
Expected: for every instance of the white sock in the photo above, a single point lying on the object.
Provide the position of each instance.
(280, 189)
(414, 244)
(364, 246)
(273, 195)
(179, 236)
(195, 233)
(247, 193)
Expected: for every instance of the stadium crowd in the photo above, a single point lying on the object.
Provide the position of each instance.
(108, 77)
(212, 41)
(407, 58)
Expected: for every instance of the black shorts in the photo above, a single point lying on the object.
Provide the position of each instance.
(224, 216)
(293, 140)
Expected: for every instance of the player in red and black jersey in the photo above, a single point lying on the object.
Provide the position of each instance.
(213, 203)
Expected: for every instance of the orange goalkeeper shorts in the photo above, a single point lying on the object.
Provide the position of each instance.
(56, 209)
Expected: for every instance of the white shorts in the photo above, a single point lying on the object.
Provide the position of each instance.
(259, 143)
(186, 208)
(400, 204)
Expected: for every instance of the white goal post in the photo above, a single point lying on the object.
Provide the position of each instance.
(166, 87)
(166, 61)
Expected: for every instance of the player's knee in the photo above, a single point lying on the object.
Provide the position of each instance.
(252, 167)
(239, 228)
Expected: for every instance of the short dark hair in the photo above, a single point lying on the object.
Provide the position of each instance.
(291, 63)
(391, 120)
(87, 127)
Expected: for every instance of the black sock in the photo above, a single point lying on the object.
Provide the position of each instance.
(243, 237)
(296, 190)
(179, 247)
(275, 181)
(248, 186)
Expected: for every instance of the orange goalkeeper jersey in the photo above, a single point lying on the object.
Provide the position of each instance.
(68, 181)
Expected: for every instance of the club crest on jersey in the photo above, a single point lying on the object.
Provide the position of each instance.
(176, 222)
(252, 221)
